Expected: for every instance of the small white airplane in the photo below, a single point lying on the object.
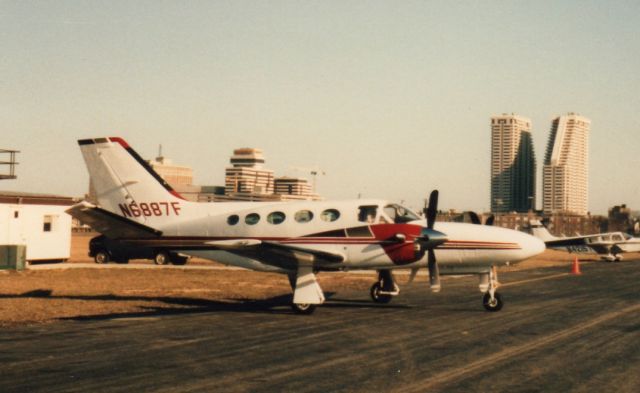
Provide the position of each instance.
(297, 238)
(609, 246)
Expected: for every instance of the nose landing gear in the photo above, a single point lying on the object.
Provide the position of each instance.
(385, 288)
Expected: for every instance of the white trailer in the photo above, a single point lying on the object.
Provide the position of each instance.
(37, 221)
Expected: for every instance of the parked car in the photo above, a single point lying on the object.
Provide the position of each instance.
(104, 250)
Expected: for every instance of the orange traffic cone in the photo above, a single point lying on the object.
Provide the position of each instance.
(575, 268)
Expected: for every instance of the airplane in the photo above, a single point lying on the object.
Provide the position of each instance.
(608, 245)
(299, 238)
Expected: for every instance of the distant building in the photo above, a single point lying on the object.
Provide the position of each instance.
(175, 175)
(248, 180)
(621, 218)
(37, 221)
(293, 186)
(179, 177)
(245, 180)
(247, 175)
(565, 171)
(513, 165)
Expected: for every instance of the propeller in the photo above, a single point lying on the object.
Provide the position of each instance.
(473, 216)
(490, 220)
(475, 219)
(429, 239)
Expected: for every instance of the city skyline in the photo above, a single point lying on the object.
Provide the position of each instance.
(391, 100)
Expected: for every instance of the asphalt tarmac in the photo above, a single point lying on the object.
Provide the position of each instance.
(556, 333)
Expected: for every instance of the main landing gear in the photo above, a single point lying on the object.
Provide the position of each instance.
(612, 257)
(307, 294)
(385, 288)
(492, 300)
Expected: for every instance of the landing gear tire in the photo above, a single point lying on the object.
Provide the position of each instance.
(494, 304)
(102, 257)
(376, 296)
(161, 258)
(303, 308)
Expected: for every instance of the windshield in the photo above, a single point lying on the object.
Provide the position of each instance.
(400, 214)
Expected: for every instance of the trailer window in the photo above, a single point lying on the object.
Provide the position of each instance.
(48, 224)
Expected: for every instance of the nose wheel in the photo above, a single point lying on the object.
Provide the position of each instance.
(385, 288)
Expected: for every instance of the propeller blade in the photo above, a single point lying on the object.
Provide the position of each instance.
(432, 211)
(490, 220)
(473, 216)
(414, 273)
(434, 272)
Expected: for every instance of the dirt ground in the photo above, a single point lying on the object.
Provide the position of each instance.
(47, 295)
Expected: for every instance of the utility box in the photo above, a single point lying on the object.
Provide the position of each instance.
(13, 257)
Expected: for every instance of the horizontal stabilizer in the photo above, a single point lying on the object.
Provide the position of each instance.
(110, 224)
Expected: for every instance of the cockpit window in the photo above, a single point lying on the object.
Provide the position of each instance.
(367, 214)
(400, 214)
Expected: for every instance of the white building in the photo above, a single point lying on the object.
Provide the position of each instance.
(566, 166)
(37, 221)
(513, 165)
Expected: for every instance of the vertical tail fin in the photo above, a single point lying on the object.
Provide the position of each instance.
(538, 230)
(125, 184)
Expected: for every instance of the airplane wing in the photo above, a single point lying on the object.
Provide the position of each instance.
(278, 254)
(268, 252)
(110, 224)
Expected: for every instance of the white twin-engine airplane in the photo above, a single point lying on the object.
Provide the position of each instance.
(609, 246)
(297, 238)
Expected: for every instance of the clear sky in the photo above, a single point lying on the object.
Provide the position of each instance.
(391, 99)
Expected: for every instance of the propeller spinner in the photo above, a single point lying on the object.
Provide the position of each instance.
(429, 239)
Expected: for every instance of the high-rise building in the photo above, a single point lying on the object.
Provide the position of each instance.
(513, 164)
(565, 171)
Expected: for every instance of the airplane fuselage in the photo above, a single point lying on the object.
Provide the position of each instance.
(374, 241)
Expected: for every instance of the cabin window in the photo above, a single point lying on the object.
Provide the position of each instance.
(252, 219)
(48, 224)
(16, 214)
(233, 219)
(367, 214)
(303, 216)
(330, 215)
(276, 218)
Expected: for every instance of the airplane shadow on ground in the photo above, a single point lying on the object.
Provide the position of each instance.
(188, 305)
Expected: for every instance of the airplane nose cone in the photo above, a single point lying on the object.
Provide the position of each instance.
(531, 245)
